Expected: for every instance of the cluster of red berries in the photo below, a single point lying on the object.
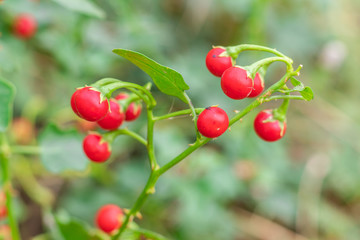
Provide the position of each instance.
(236, 84)
(89, 104)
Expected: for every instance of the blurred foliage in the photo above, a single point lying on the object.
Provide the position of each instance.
(308, 183)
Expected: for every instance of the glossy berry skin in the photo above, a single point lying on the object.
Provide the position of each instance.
(212, 122)
(114, 118)
(268, 128)
(258, 86)
(109, 218)
(236, 84)
(217, 64)
(95, 148)
(87, 103)
(133, 111)
(24, 26)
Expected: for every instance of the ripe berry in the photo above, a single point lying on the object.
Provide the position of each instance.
(268, 128)
(133, 111)
(258, 86)
(24, 26)
(114, 118)
(212, 122)
(217, 64)
(109, 218)
(89, 104)
(95, 148)
(3, 209)
(236, 84)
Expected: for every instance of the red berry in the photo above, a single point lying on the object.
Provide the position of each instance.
(95, 148)
(212, 122)
(133, 111)
(88, 103)
(3, 209)
(114, 118)
(258, 86)
(25, 26)
(236, 84)
(268, 128)
(217, 64)
(109, 218)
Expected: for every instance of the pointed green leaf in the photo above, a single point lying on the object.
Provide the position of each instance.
(298, 85)
(307, 93)
(62, 150)
(82, 6)
(166, 79)
(7, 94)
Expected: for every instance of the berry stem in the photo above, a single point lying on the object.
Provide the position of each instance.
(234, 51)
(193, 113)
(292, 97)
(117, 84)
(110, 136)
(150, 140)
(178, 113)
(6, 180)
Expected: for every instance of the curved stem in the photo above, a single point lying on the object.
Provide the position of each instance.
(234, 51)
(6, 179)
(254, 68)
(178, 113)
(293, 97)
(110, 136)
(115, 84)
(193, 113)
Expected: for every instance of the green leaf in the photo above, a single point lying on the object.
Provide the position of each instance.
(82, 6)
(307, 93)
(298, 85)
(7, 94)
(62, 150)
(71, 228)
(166, 79)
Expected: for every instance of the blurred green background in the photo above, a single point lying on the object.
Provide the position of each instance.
(306, 186)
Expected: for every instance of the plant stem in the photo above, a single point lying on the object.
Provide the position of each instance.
(148, 189)
(293, 97)
(116, 84)
(150, 140)
(178, 113)
(6, 179)
(113, 134)
(236, 50)
(193, 113)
